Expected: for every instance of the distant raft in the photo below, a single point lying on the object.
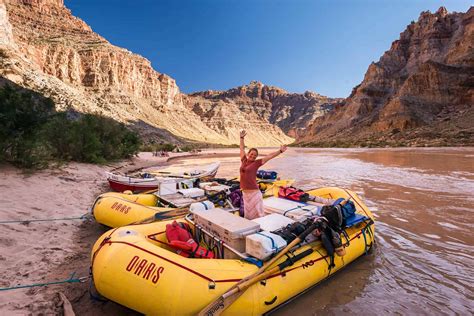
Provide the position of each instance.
(136, 266)
(151, 180)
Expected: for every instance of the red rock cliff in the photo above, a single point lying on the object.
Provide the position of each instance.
(419, 92)
(48, 50)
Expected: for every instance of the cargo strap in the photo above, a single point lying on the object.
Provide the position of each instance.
(299, 208)
(205, 205)
(254, 261)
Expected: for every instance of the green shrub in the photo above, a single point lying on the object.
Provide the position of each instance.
(21, 116)
(31, 133)
(91, 138)
(165, 147)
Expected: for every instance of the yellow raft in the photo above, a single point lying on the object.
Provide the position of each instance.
(119, 209)
(133, 266)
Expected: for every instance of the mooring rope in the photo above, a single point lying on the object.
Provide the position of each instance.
(82, 217)
(70, 280)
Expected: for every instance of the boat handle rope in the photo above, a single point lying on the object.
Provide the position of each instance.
(82, 217)
(365, 240)
(367, 230)
(71, 279)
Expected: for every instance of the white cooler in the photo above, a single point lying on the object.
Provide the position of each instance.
(292, 209)
(273, 222)
(201, 206)
(192, 193)
(263, 244)
(229, 228)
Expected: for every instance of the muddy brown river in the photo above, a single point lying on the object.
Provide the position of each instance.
(423, 203)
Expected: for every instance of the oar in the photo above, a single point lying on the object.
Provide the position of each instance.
(159, 216)
(225, 300)
(150, 191)
(229, 297)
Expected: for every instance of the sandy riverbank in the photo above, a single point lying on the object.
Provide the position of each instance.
(46, 251)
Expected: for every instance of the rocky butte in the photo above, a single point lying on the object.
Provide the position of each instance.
(257, 105)
(420, 92)
(46, 49)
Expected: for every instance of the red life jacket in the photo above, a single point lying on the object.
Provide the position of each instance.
(181, 239)
(294, 194)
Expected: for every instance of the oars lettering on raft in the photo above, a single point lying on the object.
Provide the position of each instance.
(217, 306)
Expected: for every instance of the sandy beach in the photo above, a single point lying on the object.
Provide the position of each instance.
(34, 252)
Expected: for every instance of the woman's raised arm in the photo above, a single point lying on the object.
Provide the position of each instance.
(242, 144)
(274, 154)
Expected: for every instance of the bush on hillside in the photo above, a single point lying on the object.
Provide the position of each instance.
(91, 138)
(22, 115)
(164, 147)
(31, 133)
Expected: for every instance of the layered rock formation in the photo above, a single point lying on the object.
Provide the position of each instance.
(421, 91)
(46, 49)
(258, 107)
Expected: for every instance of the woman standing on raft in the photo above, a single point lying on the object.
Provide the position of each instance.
(253, 199)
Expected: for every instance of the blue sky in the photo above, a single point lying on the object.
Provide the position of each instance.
(298, 45)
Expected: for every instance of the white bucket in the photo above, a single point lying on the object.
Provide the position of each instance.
(201, 206)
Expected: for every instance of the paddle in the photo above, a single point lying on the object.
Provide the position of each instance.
(159, 216)
(225, 300)
(150, 191)
(230, 296)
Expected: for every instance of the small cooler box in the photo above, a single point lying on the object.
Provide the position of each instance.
(192, 193)
(273, 222)
(295, 210)
(229, 228)
(262, 245)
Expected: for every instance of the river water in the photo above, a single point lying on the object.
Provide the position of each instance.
(423, 203)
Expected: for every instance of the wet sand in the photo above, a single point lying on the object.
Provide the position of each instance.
(35, 252)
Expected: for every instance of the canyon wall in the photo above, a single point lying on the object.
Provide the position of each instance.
(420, 92)
(46, 49)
